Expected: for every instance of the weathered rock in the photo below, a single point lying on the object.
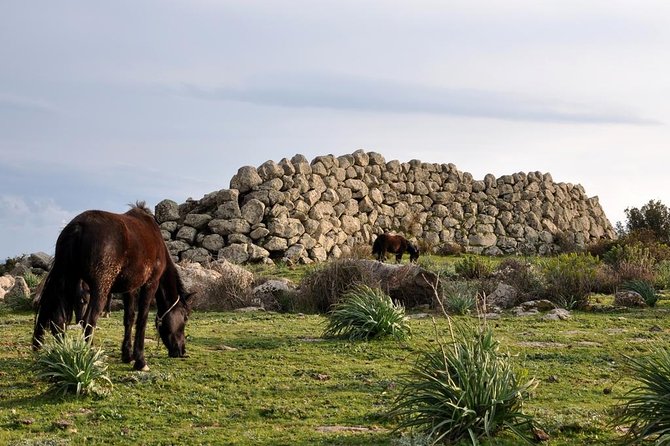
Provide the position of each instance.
(40, 260)
(629, 299)
(197, 221)
(18, 296)
(236, 253)
(166, 210)
(557, 314)
(504, 297)
(245, 179)
(269, 294)
(253, 211)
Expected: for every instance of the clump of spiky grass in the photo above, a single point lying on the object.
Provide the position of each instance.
(463, 390)
(460, 297)
(71, 365)
(366, 313)
(644, 289)
(646, 407)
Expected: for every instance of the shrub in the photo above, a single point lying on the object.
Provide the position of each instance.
(71, 365)
(328, 282)
(459, 297)
(644, 289)
(662, 275)
(473, 267)
(522, 276)
(653, 216)
(450, 249)
(464, 390)
(231, 290)
(570, 278)
(32, 280)
(367, 313)
(646, 408)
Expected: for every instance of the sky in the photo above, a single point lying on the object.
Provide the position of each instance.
(106, 103)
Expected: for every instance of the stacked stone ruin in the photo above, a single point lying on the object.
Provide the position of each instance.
(297, 211)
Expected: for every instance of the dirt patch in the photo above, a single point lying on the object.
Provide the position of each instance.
(538, 344)
(350, 429)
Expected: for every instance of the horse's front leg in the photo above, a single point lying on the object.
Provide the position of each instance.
(398, 257)
(146, 293)
(129, 307)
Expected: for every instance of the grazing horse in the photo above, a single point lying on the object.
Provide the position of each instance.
(115, 253)
(395, 244)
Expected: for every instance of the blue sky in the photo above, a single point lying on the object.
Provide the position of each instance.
(106, 103)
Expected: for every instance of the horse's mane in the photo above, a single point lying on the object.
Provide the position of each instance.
(140, 205)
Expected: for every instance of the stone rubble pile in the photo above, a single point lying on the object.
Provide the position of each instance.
(301, 211)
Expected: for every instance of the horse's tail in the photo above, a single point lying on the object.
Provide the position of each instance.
(54, 308)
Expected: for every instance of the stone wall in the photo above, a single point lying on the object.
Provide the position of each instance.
(302, 212)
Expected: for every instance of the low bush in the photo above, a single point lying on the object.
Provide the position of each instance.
(473, 267)
(228, 292)
(464, 390)
(570, 278)
(328, 282)
(646, 408)
(522, 276)
(71, 365)
(367, 313)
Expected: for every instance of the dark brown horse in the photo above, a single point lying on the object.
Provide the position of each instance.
(395, 244)
(115, 253)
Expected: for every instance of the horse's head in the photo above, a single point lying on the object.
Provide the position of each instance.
(171, 326)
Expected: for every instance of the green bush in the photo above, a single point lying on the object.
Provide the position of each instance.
(646, 408)
(71, 365)
(570, 278)
(32, 280)
(460, 297)
(522, 276)
(367, 313)
(644, 289)
(473, 267)
(466, 389)
(662, 275)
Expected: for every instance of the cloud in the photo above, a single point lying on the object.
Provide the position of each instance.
(29, 224)
(371, 95)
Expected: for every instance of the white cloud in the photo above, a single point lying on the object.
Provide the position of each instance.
(29, 224)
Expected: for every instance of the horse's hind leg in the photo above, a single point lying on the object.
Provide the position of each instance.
(129, 307)
(98, 295)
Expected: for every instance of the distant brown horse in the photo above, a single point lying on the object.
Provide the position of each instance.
(395, 244)
(115, 253)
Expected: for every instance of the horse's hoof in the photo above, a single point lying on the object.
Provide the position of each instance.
(144, 369)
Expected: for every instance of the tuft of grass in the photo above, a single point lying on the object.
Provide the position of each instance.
(460, 297)
(71, 365)
(32, 280)
(646, 407)
(473, 267)
(367, 313)
(464, 390)
(644, 289)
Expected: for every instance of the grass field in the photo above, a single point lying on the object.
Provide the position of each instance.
(269, 379)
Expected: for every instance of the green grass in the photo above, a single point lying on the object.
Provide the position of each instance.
(269, 379)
